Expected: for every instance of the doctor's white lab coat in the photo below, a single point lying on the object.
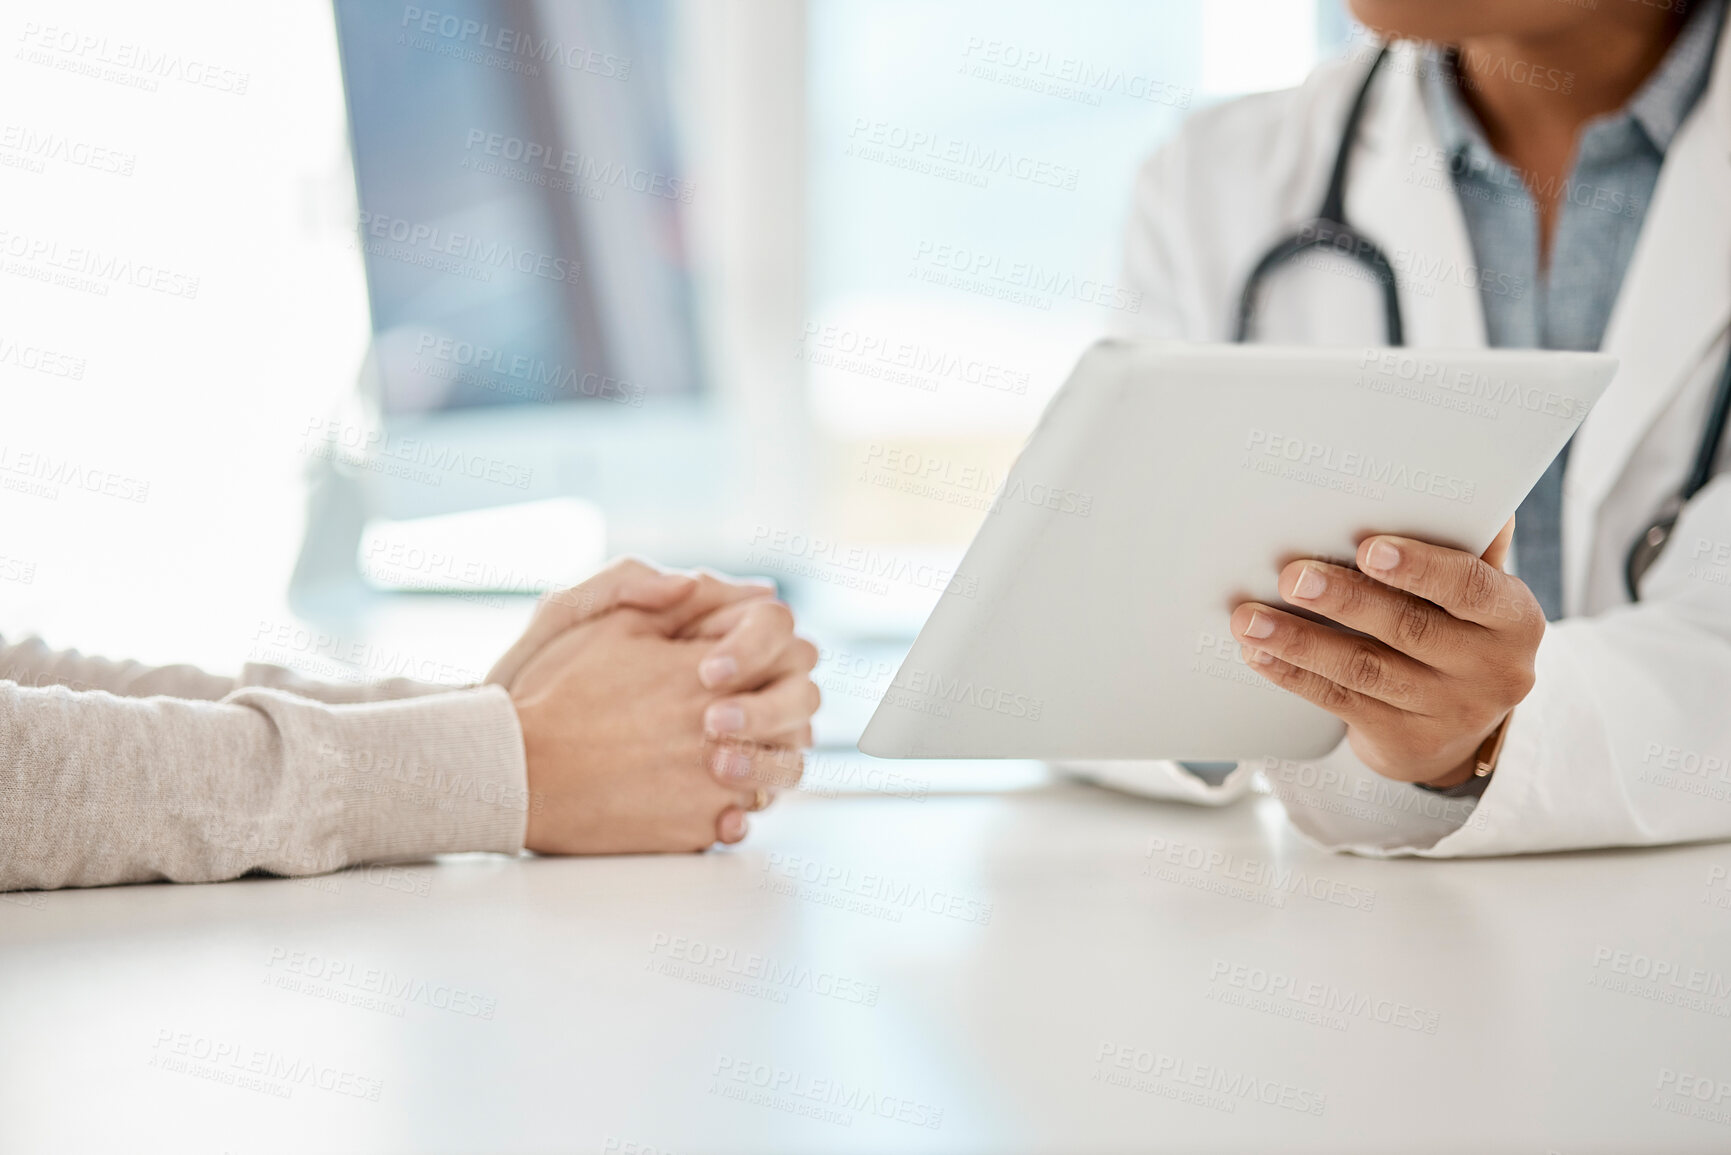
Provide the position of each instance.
(1626, 737)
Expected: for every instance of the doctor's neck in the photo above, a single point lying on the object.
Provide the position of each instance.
(1534, 72)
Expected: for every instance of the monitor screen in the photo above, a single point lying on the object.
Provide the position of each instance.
(522, 201)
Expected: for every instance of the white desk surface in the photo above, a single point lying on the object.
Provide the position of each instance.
(963, 959)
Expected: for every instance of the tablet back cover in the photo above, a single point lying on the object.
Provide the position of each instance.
(1165, 484)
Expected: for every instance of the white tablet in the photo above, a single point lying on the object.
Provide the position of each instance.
(1165, 484)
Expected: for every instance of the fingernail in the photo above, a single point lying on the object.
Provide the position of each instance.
(713, 672)
(731, 765)
(1382, 556)
(1310, 583)
(723, 718)
(1260, 626)
(1260, 657)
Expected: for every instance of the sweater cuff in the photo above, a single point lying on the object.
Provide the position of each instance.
(430, 775)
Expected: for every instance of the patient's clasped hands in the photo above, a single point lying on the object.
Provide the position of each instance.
(657, 709)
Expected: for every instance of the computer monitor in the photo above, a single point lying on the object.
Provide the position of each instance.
(523, 199)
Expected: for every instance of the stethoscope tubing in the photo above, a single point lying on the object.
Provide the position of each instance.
(1331, 231)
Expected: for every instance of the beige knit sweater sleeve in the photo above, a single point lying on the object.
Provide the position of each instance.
(120, 772)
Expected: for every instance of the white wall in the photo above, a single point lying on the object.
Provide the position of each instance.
(229, 118)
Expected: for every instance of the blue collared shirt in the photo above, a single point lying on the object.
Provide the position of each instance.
(1565, 304)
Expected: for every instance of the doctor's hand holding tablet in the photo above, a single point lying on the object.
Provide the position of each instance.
(1311, 534)
(1447, 652)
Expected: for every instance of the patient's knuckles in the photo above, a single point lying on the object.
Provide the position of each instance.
(766, 765)
(773, 620)
(709, 583)
(714, 579)
(710, 595)
(567, 606)
(778, 767)
(586, 598)
(714, 588)
(717, 763)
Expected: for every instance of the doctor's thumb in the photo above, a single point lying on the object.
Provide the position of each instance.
(1498, 552)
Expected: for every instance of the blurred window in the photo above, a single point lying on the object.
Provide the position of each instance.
(971, 170)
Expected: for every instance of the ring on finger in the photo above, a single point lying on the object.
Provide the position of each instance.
(763, 799)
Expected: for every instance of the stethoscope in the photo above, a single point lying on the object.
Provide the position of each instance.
(1331, 231)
